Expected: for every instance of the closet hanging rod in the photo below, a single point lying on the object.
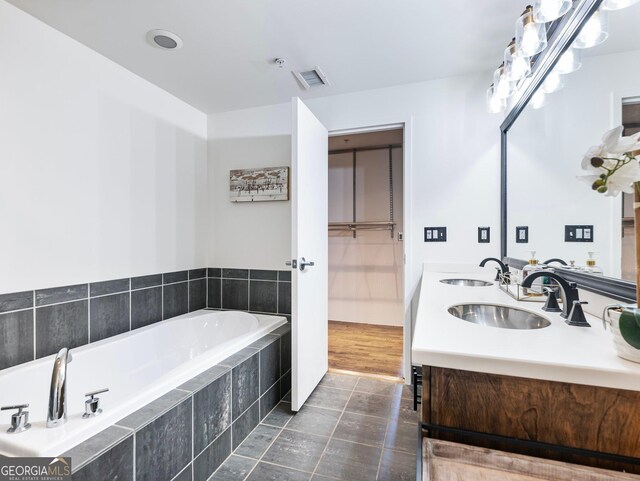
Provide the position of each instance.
(365, 149)
(361, 223)
(354, 226)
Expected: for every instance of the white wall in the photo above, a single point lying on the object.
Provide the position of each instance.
(247, 234)
(453, 181)
(366, 273)
(545, 151)
(103, 175)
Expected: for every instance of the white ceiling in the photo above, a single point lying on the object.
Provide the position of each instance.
(229, 46)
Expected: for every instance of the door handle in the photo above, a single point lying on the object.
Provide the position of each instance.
(293, 263)
(304, 263)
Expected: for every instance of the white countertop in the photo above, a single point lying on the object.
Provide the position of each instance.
(558, 352)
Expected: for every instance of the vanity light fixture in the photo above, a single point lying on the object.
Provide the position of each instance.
(595, 31)
(552, 83)
(550, 10)
(503, 87)
(516, 66)
(495, 105)
(617, 4)
(531, 36)
(538, 100)
(570, 61)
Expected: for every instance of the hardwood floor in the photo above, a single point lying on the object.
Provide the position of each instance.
(365, 348)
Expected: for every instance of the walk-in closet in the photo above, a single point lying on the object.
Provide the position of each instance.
(366, 252)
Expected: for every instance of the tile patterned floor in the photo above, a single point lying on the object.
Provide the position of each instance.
(351, 429)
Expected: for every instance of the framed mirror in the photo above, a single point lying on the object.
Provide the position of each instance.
(572, 98)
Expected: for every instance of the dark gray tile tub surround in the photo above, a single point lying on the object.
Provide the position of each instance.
(34, 324)
(253, 290)
(188, 433)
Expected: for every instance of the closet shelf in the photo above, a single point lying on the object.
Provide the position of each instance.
(355, 226)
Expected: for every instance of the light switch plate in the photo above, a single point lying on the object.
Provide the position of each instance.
(435, 234)
(578, 233)
(522, 234)
(484, 235)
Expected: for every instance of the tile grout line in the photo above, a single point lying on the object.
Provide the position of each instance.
(17, 310)
(135, 438)
(337, 439)
(182, 471)
(33, 309)
(88, 317)
(101, 451)
(384, 441)
(333, 430)
(193, 431)
(231, 404)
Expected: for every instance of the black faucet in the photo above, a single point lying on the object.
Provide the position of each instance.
(572, 306)
(504, 268)
(555, 259)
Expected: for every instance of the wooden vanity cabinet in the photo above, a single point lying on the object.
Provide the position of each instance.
(589, 418)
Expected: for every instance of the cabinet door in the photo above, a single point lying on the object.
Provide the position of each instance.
(577, 416)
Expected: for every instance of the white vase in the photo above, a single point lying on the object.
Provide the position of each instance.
(622, 347)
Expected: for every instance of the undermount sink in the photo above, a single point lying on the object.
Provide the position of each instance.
(499, 316)
(466, 282)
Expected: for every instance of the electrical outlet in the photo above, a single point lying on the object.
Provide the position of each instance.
(435, 234)
(484, 235)
(522, 235)
(578, 233)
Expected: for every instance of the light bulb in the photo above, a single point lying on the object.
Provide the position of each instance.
(502, 87)
(538, 100)
(495, 105)
(549, 10)
(617, 4)
(531, 37)
(552, 83)
(595, 31)
(569, 61)
(530, 43)
(516, 67)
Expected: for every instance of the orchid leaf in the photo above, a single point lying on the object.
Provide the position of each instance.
(630, 327)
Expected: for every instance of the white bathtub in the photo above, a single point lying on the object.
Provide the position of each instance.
(137, 367)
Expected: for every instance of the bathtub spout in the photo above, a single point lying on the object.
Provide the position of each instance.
(57, 412)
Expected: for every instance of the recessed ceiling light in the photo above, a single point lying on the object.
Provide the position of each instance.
(164, 39)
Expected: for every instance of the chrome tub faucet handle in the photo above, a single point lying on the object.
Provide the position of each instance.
(19, 420)
(92, 405)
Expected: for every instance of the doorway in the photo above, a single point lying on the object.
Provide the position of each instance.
(366, 252)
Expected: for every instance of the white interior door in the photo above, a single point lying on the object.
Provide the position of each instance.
(309, 244)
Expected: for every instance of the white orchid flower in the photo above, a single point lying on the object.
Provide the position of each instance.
(612, 166)
(622, 180)
(594, 151)
(614, 144)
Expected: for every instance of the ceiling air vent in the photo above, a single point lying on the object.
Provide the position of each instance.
(312, 78)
